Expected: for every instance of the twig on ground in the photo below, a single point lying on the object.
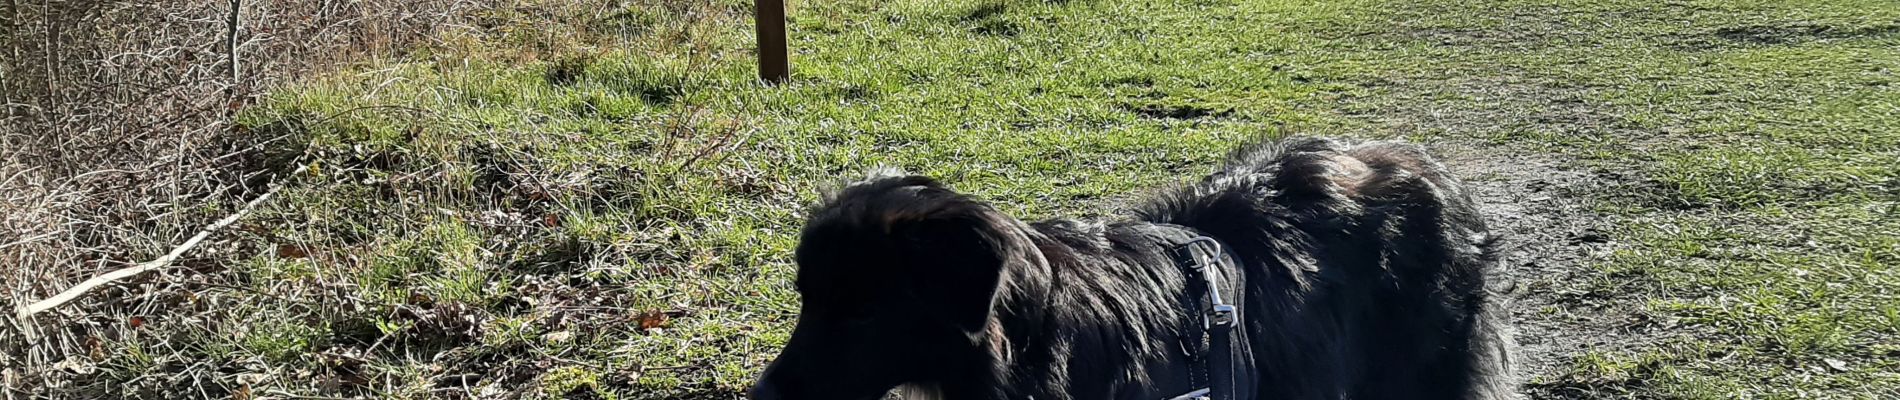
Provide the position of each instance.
(27, 311)
(27, 240)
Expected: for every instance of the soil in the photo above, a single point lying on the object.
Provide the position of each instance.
(1551, 239)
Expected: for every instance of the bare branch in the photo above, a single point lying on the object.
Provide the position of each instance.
(231, 43)
(166, 260)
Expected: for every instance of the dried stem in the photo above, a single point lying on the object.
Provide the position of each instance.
(163, 261)
(233, 24)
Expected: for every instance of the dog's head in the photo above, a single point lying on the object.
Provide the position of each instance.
(898, 276)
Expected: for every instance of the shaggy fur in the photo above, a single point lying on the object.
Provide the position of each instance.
(1360, 272)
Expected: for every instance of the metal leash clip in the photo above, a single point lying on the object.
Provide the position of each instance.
(1219, 313)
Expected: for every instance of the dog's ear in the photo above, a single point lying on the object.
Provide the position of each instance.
(947, 250)
(958, 256)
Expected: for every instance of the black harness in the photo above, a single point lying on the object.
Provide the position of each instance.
(1209, 343)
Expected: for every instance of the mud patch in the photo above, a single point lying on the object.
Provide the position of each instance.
(1518, 29)
(1496, 132)
(1551, 239)
(1782, 35)
(992, 19)
(1795, 33)
(1177, 111)
(986, 11)
(1133, 81)
(1498, 108)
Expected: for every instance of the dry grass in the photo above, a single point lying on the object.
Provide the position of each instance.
(117, 142)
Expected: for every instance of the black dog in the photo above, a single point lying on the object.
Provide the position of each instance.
(1359, 273)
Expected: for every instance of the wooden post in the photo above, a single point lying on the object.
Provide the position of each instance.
(769, 16)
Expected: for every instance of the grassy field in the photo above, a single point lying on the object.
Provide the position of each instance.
(1704, 194)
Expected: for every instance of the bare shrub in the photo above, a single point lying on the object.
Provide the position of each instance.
(116, 140)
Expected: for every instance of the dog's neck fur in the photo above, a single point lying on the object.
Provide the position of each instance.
(1082, 306)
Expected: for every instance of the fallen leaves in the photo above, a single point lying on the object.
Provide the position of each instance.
(291, 251)
(653, 322)
(95, 348)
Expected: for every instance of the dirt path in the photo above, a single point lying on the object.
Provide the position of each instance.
(1540, 199)
(1550, 239)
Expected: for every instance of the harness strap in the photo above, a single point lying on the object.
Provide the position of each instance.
(1208, 343)
(1195, 341)
(1221, 361)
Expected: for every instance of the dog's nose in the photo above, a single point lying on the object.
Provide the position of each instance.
(763, 391)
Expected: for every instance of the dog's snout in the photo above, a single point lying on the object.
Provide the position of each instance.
(763, 391)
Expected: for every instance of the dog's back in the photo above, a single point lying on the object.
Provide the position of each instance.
(1367, 267)
(1361, 273)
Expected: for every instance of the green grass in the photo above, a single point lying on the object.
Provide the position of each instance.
(490, 217)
